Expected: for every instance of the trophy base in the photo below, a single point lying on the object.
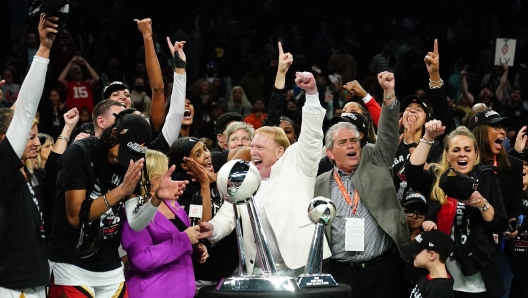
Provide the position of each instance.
(257, 283)
(319, 280)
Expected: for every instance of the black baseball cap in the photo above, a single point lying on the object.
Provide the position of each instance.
(412, 197)
(434, 240)
(488, 117)
(415, 99)
(134, 133)
(455, 185)
(113, 86)
(357, 119)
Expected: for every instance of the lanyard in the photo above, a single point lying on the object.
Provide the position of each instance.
(345, 194)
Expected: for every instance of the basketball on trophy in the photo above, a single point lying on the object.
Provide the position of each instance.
(322, 210)
(237, 180)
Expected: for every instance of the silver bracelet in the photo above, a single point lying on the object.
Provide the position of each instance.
(106, 202)
(441, 82)
(424, 140)
(64, 138)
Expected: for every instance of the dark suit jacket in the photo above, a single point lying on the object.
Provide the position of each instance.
(373, 181)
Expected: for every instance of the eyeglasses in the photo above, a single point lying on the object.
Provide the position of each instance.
(411, 213)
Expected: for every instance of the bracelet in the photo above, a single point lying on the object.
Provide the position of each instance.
(441, 82)
(487, 205)
(64, 138)
(389, 96)
(424, 140)
(106, 202)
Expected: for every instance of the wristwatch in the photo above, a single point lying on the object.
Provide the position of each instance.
(486, 206)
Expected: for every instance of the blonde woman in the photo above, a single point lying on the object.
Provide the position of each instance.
(465, 203)
(44, 150)
(162, 252)
(238, 102)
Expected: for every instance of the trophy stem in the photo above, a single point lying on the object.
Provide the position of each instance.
(266, 259)
(314, 264)
(241, 254)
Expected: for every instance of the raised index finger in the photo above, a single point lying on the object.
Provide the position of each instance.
(281, 52)
(436, 47)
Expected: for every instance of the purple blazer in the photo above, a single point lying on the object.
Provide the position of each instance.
(160, 258)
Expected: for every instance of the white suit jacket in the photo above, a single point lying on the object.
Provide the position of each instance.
(290, 190)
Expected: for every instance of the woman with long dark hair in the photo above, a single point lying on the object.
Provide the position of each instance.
(490, 129)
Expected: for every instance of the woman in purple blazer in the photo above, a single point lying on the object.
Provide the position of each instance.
(161, 255)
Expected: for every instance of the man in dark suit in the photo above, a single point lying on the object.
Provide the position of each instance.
(367, 207)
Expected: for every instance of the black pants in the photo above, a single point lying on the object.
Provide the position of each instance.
(378, 280)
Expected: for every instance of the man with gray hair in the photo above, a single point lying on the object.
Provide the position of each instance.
(370, 223)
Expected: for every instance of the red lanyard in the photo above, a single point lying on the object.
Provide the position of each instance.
(345, 194)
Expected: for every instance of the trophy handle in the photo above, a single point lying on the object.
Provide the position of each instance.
(241, 253)
(314, 265)
(266, 259)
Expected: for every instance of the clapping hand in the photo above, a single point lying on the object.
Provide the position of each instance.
(169, 189)
(520, 141)
(132, 176)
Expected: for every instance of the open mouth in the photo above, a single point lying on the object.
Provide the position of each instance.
(498, 143)
(462, 163)
(352, 154)
(257, 162)
(187, 114)
(209, 166)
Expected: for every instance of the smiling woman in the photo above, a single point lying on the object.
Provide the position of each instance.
(462, 186)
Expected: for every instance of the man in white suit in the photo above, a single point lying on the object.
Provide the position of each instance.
(287, 187)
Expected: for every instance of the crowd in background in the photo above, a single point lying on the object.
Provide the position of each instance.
(234, 43)
(233, 88)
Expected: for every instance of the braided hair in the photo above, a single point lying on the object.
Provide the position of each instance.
(104, 169)
(371, 135)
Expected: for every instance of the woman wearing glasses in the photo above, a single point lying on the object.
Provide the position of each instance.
(465, 202)
(490, 130)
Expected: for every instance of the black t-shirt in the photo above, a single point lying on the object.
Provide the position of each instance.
(76, 173)
(427, 287)
(398, 167)
(23, 260)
